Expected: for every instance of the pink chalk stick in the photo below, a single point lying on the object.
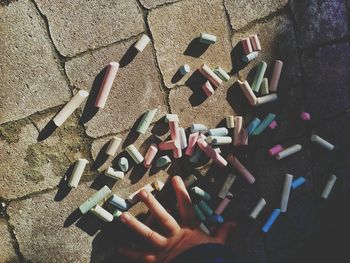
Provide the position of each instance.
(175, 135)
(106, 84)
(177, 152)
(275, 150)
(222, 206)
(255, 42)
(240, 168)
(192, 139)
(168, 145)
(151, 153)
(244, 137)
(305, 116)
(273, 125)
(208, 150)
(208, 88)
(247, 46)
(210, 75)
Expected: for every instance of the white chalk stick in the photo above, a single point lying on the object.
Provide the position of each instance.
(77, 172)
(286, 192)
(227, 185)
(110, 172)
(102, 213)
(288, 151)
(329, 186)
(258, 208)
(113, 146)
(322, 142)
(142, 43)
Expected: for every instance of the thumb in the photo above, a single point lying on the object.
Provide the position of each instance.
(225, 230)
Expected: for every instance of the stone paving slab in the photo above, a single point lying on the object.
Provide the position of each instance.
(30, 166)
(7, 253)
(244, 12)
(149, 4)
(319, 21)
(178, 44)
(31, 78)
(136, 87)
(77, 25)
(326, 82)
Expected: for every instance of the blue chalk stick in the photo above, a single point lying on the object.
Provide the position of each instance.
(215, 219)
(298, 182)
(252, 125)
(119, 202)
(275, 213)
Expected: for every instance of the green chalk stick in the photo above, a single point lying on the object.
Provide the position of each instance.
(205, 208)
(198, 213)
(259, 75)
(201, 193)
(163, 161)
(264, 123)
(207, 38)
(97, 197)
(146, 121)
(264, 90)
(117, 213)
(221, 74)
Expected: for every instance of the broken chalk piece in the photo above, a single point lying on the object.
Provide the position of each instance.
(264, 124)
(197, 127)
(266, 99)
(246, 45)
(110, 172)
(208, 88)
(275, 150)
(199, 213)
(255, 42)
(102, 213)
(225, 188)
(286, 192)
(298, 182)
(259, 75)
(210, 75)
(142, 42)
(123, 164)
(117, 213)
(185, 69)
(97, 197)
(288, 151)
(237, 131)
(70, 107)
(264, 90)
(134, 154)
(305, 116)
(329, 186)
(190, 180)
(106, 85)
(77, 173)
(258, 208)
(248, 92)
(222, 74)
(168, 145)
(222, 131)
(201, 193)
(275, 75)
(252, 125)
(151, 153)
(171, 118)
(158, 185)
(273, 125)
(318, 140)
(219, 140)
(205, 208)
(119, 202)
(146, 121)
(113, 146)
(192, 140)
(223, 204)
(271, 220)
(163, 161)
(250, 57)
(207, 38)
(204, 229)
(230, 122)
(183, 138)
(240, 168)
(211, 153)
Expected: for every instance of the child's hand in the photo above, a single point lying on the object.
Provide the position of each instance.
(177, 237)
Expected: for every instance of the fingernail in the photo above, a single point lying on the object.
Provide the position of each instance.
(125, 217)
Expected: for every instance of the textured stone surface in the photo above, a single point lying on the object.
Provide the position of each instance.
(153, 3)
(278, 42)
(26, 53)
(243, 12)
(77, 25)
(181, 103)
(327, 80)
(7, 253)
(319, 21)
(31, 166)
(136, 88)
(178, 44)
